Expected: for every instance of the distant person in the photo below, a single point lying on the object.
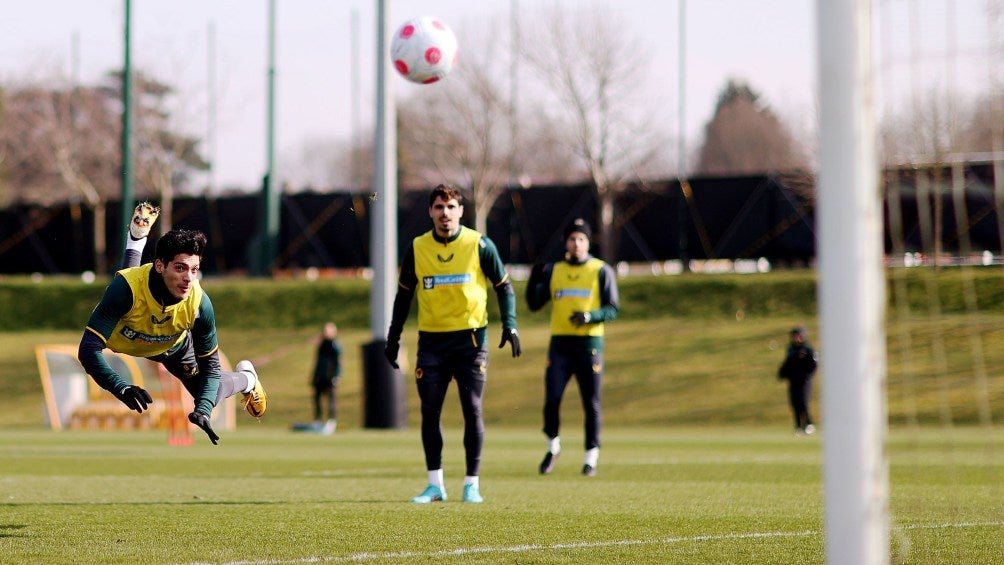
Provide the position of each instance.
(159, 311)
(798, 368)
(327, 372)
(583, 293)
(451, 268)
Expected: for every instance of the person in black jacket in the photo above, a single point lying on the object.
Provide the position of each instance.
(327, 372)
(798, 367)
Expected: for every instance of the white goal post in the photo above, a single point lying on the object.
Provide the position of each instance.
(851, 289)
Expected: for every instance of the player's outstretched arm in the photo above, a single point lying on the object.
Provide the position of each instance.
(201, 420)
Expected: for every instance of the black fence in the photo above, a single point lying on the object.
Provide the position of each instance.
(730, 218)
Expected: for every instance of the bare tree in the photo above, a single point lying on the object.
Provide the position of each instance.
(61, 145)
(592, 68)
(982, 131)
(459, 131)
(745, 137)
(165, 158)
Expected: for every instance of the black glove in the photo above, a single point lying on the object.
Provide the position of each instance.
(135, 398)
(580, 318)
(536, 271)
(391, 350)
(201, 420)
(512, 336)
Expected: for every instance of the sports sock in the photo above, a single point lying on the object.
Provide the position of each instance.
(228, 386)
(469, 480)
(554, 445)
(135, 244)
(592, 456)
(436, 478)
(251, 380)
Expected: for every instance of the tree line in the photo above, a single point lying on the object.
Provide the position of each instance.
(579, 118)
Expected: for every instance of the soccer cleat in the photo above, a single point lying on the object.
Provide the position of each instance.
(588, 470)
(432, 493)
(142, 220)
(472, 494)
(547, 465)
(254, 401)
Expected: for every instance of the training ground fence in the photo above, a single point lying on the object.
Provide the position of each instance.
(768, 217)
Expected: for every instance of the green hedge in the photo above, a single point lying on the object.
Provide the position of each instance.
(65, 303)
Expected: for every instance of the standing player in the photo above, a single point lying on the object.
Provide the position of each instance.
(450, 268)
(583, 290)
(327, 373)
(159, 311)
(798, 368)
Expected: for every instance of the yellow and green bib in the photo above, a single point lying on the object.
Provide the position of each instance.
(148, 328)
(575, 288)
(452, 289)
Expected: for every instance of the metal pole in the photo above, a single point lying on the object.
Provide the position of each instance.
(271, 234)
(355, 175)
(127, 172)
(383, 234)
(383, 390)
(851, 290)
(211, 109)
(681, 165)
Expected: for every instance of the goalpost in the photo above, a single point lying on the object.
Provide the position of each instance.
(851, 290)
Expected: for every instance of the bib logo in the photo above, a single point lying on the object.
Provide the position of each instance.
(129, 333)
(572, 293)
(444, 259)
(157, 322)
(429, 283)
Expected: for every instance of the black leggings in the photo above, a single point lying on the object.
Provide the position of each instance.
(432, 376)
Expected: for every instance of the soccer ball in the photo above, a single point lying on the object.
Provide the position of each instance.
(424, 50)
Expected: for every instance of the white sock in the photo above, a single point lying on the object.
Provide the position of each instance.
(554, 445)
(251, 381)
(469, 480)
(592, 456)
(436, 478)
(136, 244)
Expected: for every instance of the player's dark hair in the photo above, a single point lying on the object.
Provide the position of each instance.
(175, 242)
(446, 192)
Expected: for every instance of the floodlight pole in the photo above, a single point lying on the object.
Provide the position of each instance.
(681, 213)
(265, 247)
(127, 170)
(383, 389)
(851, 290)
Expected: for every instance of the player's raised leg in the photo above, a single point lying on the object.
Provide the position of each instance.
(143, 219)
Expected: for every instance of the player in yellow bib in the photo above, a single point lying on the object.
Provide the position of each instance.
(583, 294)
(160, 312)
(450, 268)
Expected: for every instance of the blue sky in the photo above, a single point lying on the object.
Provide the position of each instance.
(768, 43)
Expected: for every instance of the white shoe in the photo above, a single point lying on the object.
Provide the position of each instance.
(329, 427)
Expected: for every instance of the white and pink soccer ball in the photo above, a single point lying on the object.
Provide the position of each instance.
(424, 50)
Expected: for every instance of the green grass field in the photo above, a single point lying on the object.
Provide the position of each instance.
(673, 495)
(698, 465)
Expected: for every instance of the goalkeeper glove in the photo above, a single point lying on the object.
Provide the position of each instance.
(201, 420)
(512, 336)
(581, 318)
(135, 398)
(391, 351)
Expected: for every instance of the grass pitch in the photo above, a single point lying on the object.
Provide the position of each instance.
(690, 495)
(698, 462)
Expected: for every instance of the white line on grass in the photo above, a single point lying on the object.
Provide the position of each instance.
(576, 545)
